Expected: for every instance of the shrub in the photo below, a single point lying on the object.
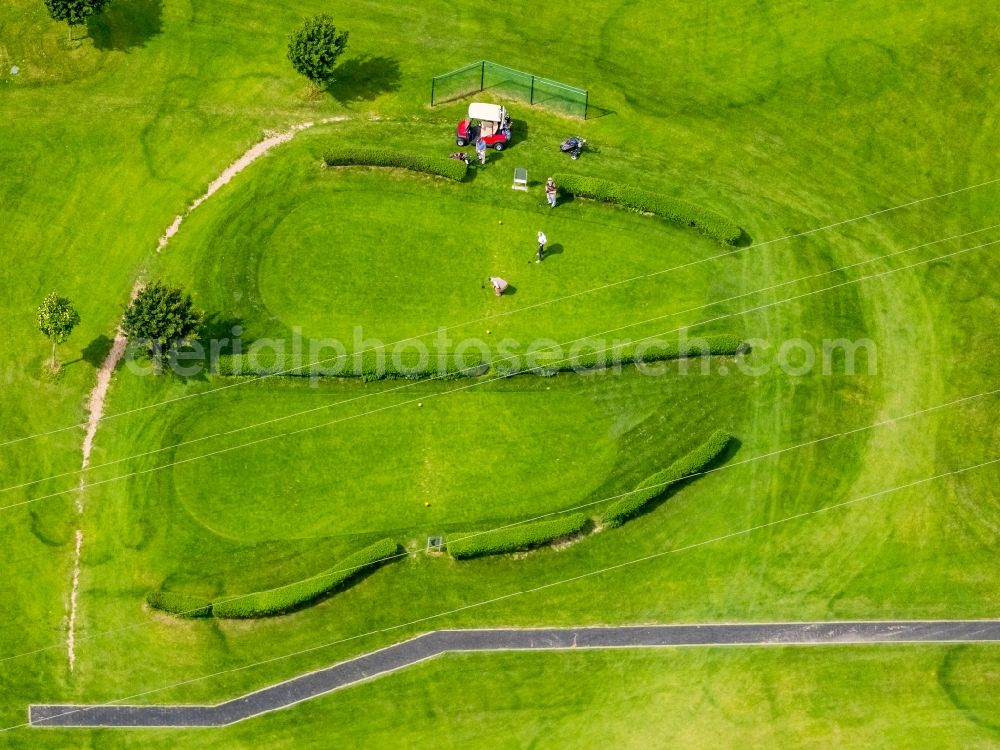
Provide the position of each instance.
(672, 209)
(313, 49)
(160, 317)
(74, 12)
(367, 365)
(181, 605)
(285, 598)
(722, 344)
(56, 320)
(372, 365)
(652, 487)
(515, 538)
(453, 169)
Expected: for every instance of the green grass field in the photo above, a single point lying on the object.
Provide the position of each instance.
(784, 117)
(763, 697)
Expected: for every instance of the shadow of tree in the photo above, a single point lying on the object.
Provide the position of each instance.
(126, 24)
(96, 351)
(222, 330)
(364, 78)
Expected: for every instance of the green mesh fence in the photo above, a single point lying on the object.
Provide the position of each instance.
(490, 76)
(458, 83)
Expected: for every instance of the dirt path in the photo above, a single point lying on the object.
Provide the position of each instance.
(74, 592)
(249, 157)
(99, 394)
(95, 404)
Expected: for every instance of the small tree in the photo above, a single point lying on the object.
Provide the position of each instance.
(74, 12)
(314, 49)
(159, 318)
(56, 319)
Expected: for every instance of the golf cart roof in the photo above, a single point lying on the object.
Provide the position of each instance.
(489, 112)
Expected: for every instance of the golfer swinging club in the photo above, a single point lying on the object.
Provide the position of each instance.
(542, 239)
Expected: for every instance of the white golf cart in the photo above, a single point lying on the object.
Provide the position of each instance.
(487, 121)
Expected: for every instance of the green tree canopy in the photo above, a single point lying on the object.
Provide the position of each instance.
(314, 48)
(160, 317)
(56, 319)
(74, 12)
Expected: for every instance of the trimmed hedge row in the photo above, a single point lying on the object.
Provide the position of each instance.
(284, 598)
(452, 169)
(181, 605)
(652, 487)
(371, 365)
(515, 538)
(672, 209)
(644, 353)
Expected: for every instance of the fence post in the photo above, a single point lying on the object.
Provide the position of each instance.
(482, 74)
(586, 104)
(433, 81)
(532, 91)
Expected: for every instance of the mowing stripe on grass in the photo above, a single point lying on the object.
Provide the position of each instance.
(51, 714)
(771, 288)
(560, 299)
(778, 452)
(303, 430)
(504, 375)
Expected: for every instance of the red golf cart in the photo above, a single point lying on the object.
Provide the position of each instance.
(487, 121)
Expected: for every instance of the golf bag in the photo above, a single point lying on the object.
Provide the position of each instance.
(573, 146)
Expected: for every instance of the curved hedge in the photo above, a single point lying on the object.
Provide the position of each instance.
(285, 598)
(644, 353)
(652, 487)
(672, 209)
(452, 169)
(515, 538)
(181, 605)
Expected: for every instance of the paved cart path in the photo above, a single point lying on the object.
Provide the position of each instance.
(423, 647)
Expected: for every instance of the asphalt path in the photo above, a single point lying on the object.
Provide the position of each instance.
(423, 647)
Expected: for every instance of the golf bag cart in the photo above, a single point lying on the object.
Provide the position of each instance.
(573, 146)
(487, 121)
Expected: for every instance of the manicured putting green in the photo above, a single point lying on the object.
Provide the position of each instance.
(399, 257)
(783, 119)
(474, 457)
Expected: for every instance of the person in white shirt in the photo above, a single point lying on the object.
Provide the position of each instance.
(542, 239)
